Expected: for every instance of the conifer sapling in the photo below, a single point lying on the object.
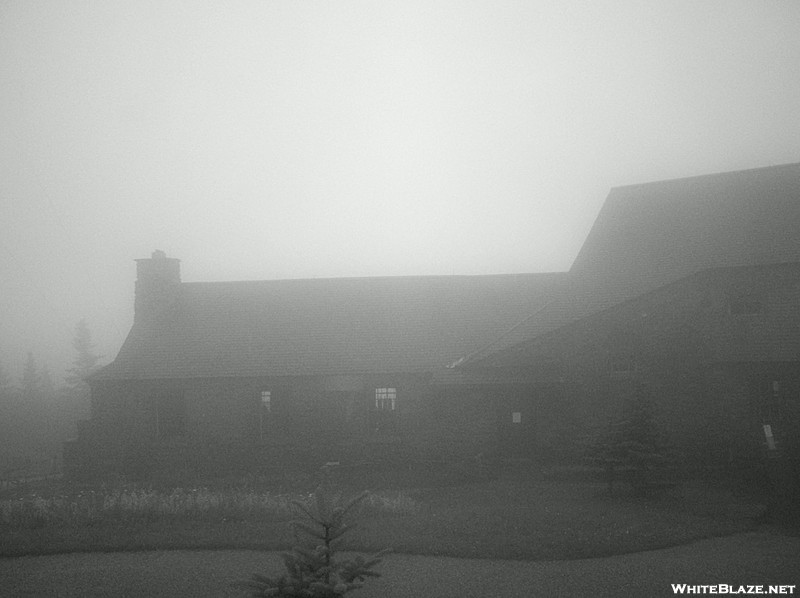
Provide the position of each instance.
(314, 571)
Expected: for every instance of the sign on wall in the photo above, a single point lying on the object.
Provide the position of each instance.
(769, 437)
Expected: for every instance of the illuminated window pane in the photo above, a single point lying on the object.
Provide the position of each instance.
(385, 399)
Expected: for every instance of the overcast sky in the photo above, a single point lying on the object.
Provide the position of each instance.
(265, 139)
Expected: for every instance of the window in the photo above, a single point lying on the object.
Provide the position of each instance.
(385, 399)
(516, 417)
(383, 416)
(266, 401)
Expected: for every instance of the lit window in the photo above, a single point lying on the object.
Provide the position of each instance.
(385, 399)
(266, 400)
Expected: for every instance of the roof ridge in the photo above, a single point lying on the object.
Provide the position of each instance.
(744, 172)
(469, 356)
(697, 274)
(376, 278)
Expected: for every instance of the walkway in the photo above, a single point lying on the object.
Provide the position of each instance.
(751, 558)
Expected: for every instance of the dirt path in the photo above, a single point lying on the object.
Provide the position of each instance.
(752, 558)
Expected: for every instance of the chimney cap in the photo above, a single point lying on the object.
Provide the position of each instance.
(158, 259)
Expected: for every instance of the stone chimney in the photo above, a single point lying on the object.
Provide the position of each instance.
(158, 281)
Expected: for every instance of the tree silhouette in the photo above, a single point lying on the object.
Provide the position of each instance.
(6, 390)
(85, 362)
(30, 382)
(633, 445)
(84, 365)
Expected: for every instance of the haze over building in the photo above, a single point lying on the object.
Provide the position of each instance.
(262, 141)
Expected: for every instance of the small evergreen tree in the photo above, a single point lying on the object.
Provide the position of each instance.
(633, 446)
(5, 382)
(29, 438)
(7, 392)
(84, 364)
(314, 571)
(47, 387)
(30, 382)
(9, 427)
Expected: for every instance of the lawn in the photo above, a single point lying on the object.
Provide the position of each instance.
(517, 516)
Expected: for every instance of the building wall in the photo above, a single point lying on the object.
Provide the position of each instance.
(707, 368)
(310, 421)
(457, 423)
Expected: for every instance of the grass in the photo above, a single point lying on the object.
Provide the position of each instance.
(513, 517)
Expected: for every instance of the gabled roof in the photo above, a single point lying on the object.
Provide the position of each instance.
(699, 305)
(654, 233)
(649, 235)
(328, 326)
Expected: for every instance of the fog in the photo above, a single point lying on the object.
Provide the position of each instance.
(259, 140)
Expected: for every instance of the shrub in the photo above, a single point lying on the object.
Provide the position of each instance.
(633, 446)
(133, 503)
(314, 571)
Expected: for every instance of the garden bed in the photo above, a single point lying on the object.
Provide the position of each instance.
(513, 517)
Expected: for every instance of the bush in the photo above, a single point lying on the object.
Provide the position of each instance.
(633, 446)
(313, 570)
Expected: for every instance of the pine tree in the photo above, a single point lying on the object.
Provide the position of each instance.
(46, 385)
(9, 428)
(6, 390)
(5, 382)
(85, 362)
(315, 571)
(633, 445)
(30, 381)
(49, 411)
(27, 436)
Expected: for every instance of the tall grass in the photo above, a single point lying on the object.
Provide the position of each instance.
(150, 505)
(513, 517)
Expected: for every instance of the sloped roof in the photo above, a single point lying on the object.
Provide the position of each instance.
(662, 231)
(699, 303)
(652, 234)
(327, 326)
